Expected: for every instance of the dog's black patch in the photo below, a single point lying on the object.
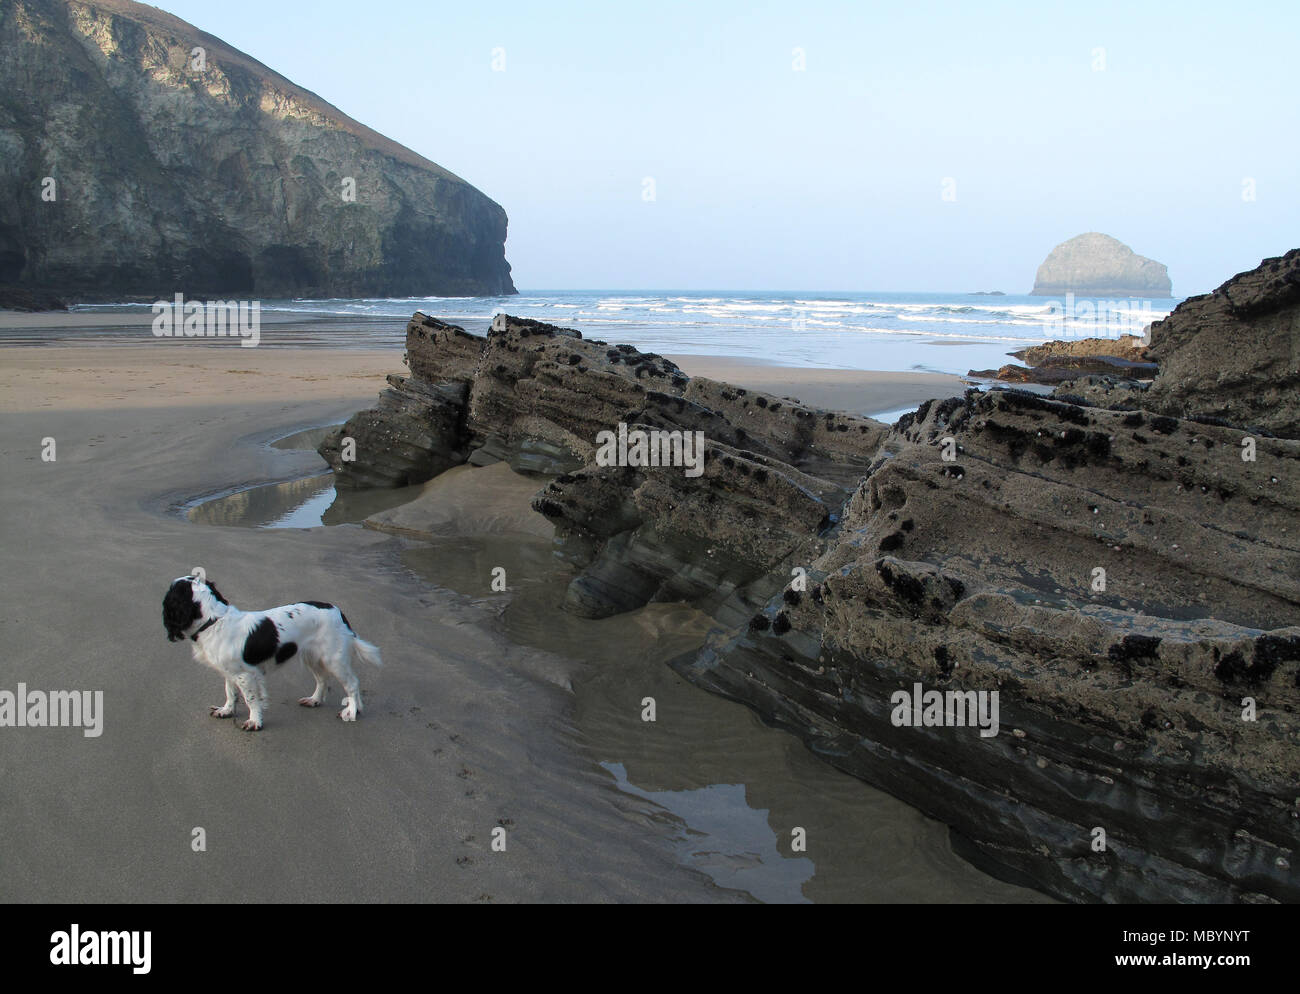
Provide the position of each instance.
(286, 651)
(330, 607)
(212, 589)
(179, 610)
(261, 643)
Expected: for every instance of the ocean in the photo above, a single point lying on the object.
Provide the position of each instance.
(934, 332)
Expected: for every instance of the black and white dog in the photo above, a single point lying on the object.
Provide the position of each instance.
(237, 643)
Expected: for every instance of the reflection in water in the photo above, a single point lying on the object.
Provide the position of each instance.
(305, 503)
(727, 839)
(734, 789)
(308, 438)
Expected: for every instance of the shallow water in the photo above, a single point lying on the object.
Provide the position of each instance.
(307, 502)
(734, 792)
(733, 789)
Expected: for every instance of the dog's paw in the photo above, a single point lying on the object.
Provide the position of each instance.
(309, 702)
(221, 711)
(349, 713)
(252, 725)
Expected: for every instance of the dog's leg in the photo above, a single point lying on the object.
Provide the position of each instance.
(342, 669)
(253, 688)
(227, 709)
(318, 695)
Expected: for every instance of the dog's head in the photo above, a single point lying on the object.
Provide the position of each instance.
(189, 600)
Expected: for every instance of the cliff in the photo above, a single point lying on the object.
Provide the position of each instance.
(214, 178)
(1096, 265)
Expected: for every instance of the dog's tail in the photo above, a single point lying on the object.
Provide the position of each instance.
(362, 649)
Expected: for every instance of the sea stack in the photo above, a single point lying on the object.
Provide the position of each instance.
(1097, 265)
(140, 156)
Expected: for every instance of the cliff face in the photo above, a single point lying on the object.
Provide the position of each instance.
(1096, 265)
(215, 179)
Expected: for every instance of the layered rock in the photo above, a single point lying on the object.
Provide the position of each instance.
(1121, 708)
(1127, 347)
(1125, 580)
(774, 473)
(1058, 369)
(1234, 354)
(1058, 362)
(1097, 265)
(178, 163)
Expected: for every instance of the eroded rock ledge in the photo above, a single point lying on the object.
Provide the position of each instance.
(776, 472)
(1119, 709)
(958, 549)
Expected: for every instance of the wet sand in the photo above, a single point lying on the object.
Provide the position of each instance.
(492, 709)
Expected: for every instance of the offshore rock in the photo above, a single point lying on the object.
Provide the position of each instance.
(1097, 265)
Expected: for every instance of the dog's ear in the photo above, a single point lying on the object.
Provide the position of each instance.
(212, 588)
(179, 609)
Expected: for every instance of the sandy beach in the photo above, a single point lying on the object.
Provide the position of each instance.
(473, 724)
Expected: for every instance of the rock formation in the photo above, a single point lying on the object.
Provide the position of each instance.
(1125, 580)
(13, 298)
(1059, 369)
(1235, 353)
(776, 472)
(1128, 347)
(1059, 362)
(179, 164)
(1096, 265)
(1120, 692)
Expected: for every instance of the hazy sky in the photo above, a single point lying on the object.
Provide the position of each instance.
(1145, 121)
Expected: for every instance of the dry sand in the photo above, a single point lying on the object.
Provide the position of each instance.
(465, 729)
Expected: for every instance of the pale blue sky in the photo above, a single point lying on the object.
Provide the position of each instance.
(829, 178)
